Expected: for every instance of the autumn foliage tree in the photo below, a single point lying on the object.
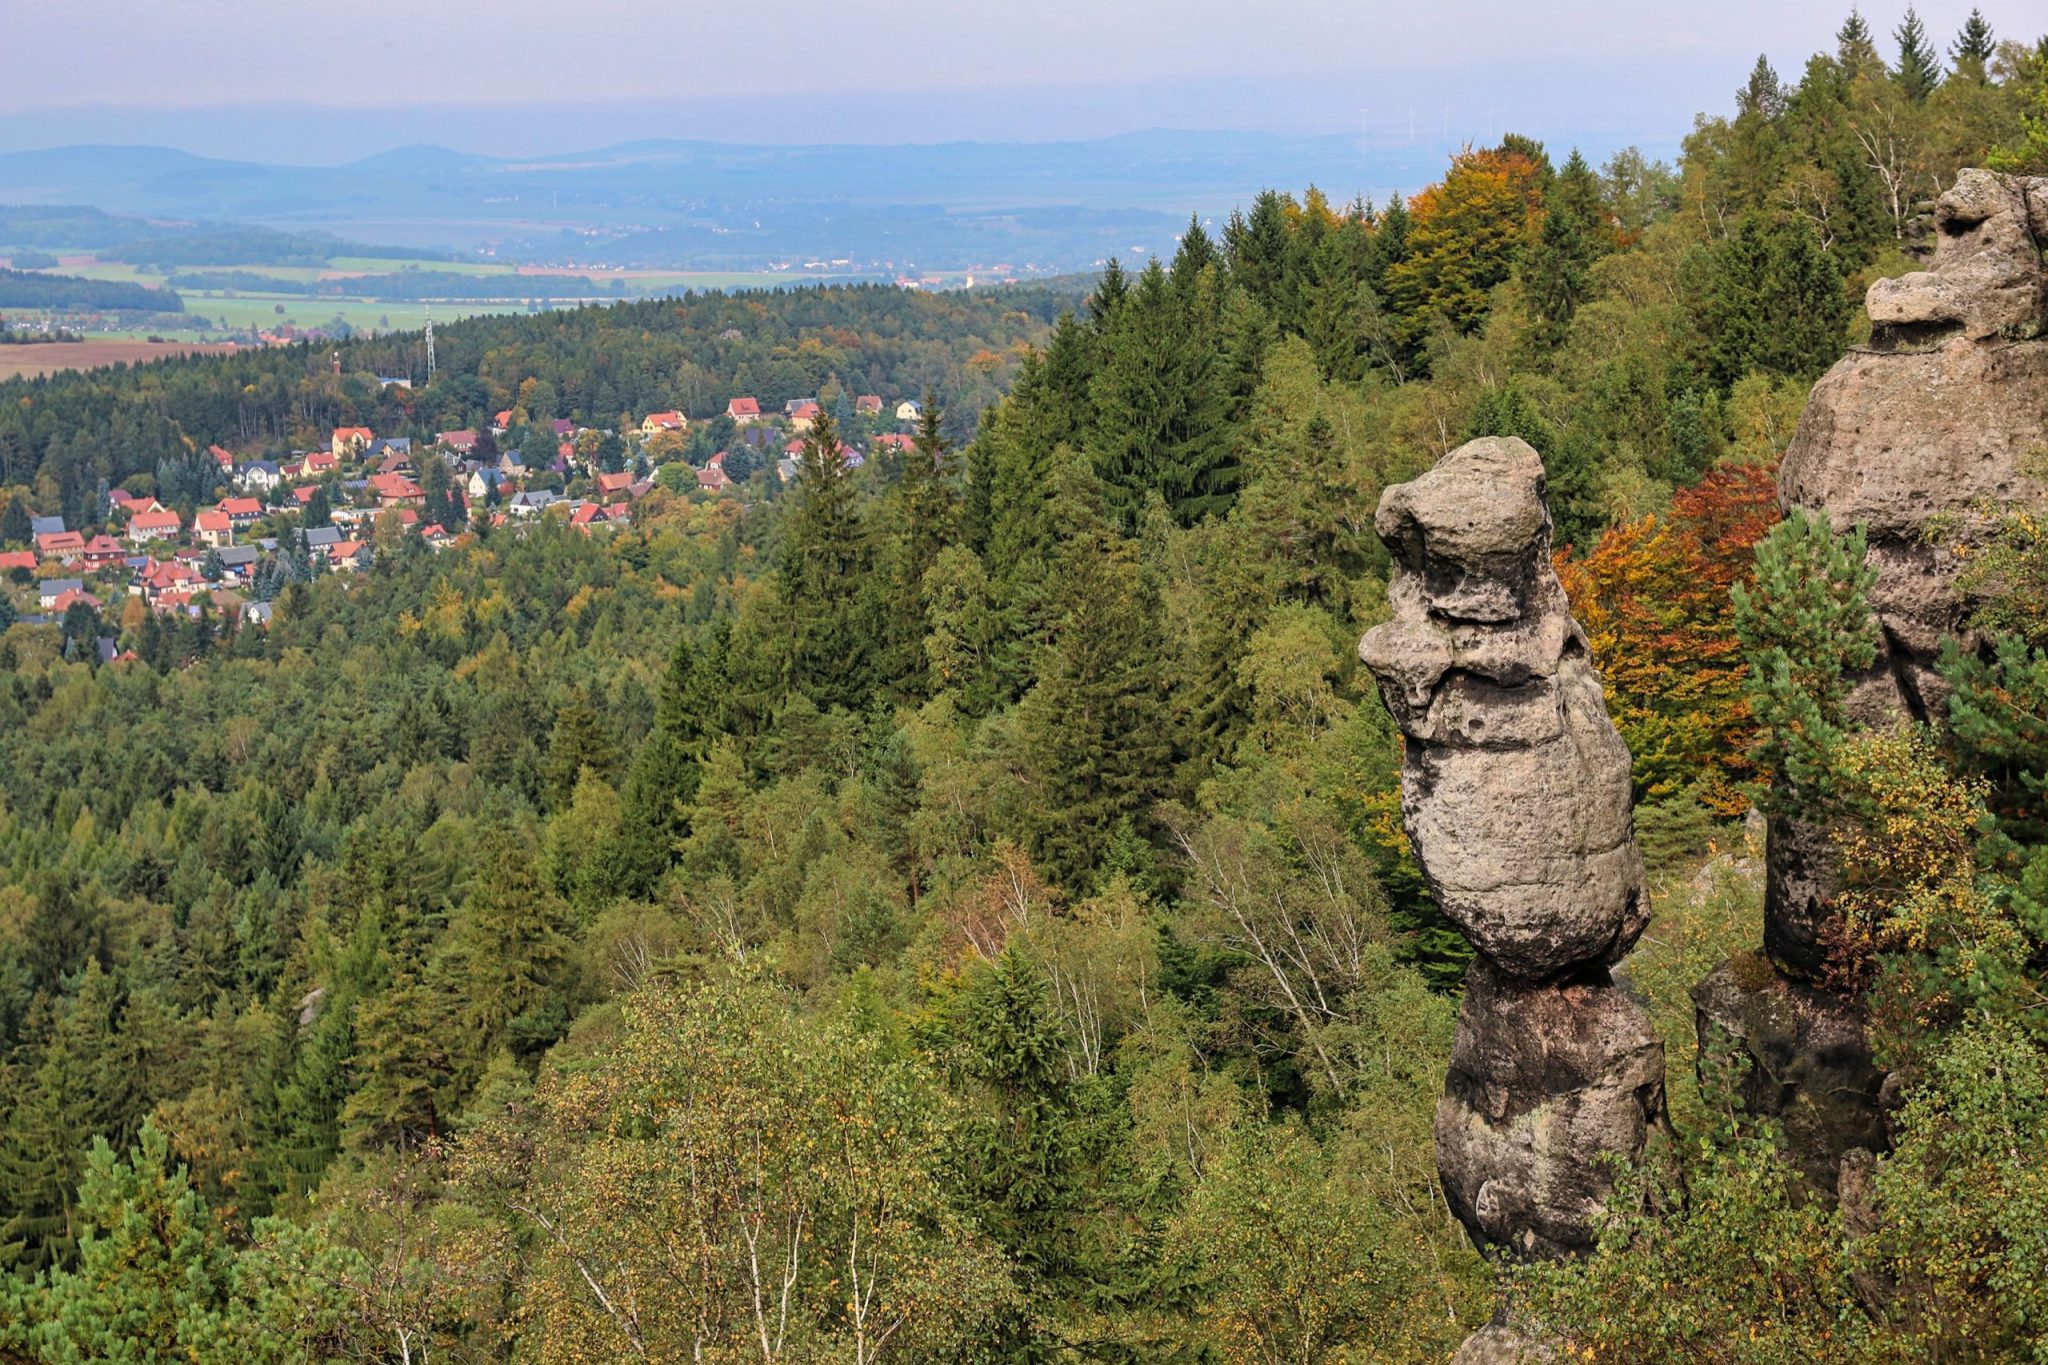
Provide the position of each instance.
(1653, 596)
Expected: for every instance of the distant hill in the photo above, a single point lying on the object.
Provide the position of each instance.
(63, 293)
(1035, 208)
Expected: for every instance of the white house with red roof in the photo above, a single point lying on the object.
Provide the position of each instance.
(461, 442)
(744, 410)
(395, 489)
(103, 551)
(214, 529)
(242, 511)
(868, 405)
(61, 544)
(349, 442)
(153, 526)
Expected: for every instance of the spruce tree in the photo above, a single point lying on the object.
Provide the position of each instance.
(827, 632)
(1973, 48)
(919, 515)
(1096, 725)
(14, 522)
(1558, 269)
(1855, 48)
(1919, 68)
(666, 767)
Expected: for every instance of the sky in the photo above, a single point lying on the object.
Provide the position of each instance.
(319, 83)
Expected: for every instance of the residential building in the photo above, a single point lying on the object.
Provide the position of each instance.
(743, 410)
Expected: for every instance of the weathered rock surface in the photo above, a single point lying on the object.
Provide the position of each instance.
(1515, 790)
(1544, 1078)
(1505, 1343)
(1807, 1062)
(1515, 785)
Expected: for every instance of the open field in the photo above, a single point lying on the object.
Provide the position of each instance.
(49, 357)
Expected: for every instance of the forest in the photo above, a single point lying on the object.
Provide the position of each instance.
(33, 290)
(957, 908)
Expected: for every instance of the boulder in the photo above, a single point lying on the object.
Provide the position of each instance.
(1545, 1077)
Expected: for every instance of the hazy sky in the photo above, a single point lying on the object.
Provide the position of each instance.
(340, 78)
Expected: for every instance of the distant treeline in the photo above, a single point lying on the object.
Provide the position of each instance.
(168, 245)
(27, 289)
(412, 285)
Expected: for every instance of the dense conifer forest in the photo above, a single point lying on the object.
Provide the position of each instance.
(956, 907)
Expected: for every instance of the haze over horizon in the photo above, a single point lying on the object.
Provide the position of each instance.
(333, 86)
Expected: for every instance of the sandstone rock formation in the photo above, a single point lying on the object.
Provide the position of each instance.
(1515, 791)
(1925, 437)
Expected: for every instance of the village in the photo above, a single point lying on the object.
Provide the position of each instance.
(334, 509)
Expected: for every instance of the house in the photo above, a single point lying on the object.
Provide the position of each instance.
(45, 526)
(393, 453)
(103, 552)
(303, 494)
(349, 555)
(61, 604)
(61, 544)
(259, 613)
(480, 484)
(759, 438)
(320, 462)
(18, 559)
(242, 511)
(512, 465)
(587, 516)
(153, 526)
(263, 474)
(802, 413)
(54, 588)
(743, 410)
(895, 440)
(237, 562)
(129, 504)
(614, 483)
(349, 442)
(293, 470)
(712, 479)
(436, 536)
(461, 442)
(564, 428)
(321, 539)
(393, 490)
(213, 528)
(655, 422)
(532, 502)
(909, 410)
(501, 421)
(223, 457)
(868, 405)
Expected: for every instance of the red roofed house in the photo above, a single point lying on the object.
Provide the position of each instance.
(214, 528)
(103, 551)
(614, 483)
(242, 511)
(129, 503)
(587, 516)
(62, 604)
(349, 555)
(154, 526)
(461, 442)
(18, 559)
(502, 419)
(303, 494)
(61, 544)
(803, 416)
(663, 421)
(394, 489)
(868, 405)
(713, 480)
(320, 462)
(222, 456)
(744, 410)
(895, 440)
(349, 442)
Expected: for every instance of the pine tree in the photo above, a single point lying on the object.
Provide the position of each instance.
(1919, 68)
(1558, 272)
(1805, 625)
(1762, 95)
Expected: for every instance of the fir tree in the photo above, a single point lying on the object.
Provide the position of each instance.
(1855, 48)
(14, 522)
(919, 515)
(1973, 48)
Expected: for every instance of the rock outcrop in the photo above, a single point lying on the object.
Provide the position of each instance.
(1516, 795)
(1924, 437)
